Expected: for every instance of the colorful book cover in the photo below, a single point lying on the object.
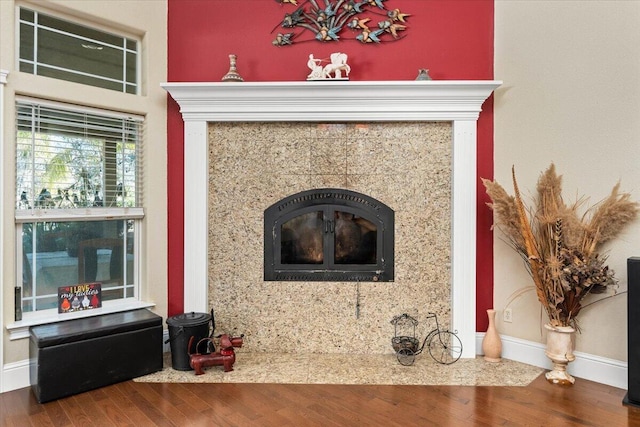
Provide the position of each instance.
(84, 296)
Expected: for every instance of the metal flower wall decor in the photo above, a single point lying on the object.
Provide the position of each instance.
(368, 21)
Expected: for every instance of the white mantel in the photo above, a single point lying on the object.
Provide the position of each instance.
(459, 102)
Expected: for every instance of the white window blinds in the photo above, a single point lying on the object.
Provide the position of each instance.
(69, 157)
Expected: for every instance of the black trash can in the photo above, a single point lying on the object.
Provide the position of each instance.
(181, 328)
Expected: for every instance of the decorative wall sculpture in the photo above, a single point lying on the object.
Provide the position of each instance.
(368, 21)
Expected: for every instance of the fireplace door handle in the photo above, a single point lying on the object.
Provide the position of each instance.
(329, 226)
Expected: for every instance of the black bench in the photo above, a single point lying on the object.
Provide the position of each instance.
(74, 356)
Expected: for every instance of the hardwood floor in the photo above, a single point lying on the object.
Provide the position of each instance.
(161, 404)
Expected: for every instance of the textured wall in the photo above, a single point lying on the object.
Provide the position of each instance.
(551, 109)
(253, 165)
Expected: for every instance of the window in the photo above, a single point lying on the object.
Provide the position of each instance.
(77, 200)
(64, 50)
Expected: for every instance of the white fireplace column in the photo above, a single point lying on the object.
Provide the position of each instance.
(459, 102)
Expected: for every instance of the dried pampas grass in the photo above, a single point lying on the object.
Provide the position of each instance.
(560, 247)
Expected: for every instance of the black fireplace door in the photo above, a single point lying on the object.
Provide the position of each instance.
(328, 235)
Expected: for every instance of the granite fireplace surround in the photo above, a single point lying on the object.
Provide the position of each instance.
(405, 165)
(408, 144)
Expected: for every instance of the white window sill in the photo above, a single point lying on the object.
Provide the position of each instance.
(19, 330)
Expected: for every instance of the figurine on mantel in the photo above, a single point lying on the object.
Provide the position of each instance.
(333, 70)
(423, 74)
(232, 75)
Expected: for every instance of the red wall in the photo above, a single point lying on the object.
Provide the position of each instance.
(453, 39)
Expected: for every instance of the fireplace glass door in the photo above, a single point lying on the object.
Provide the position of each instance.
(302, 239)
(324, 237)
(346, 237)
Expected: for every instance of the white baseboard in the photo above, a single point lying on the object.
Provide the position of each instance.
(588, 366)
(15, 375)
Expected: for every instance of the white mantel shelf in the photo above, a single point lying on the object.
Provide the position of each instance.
(328, 100)
(458, 101)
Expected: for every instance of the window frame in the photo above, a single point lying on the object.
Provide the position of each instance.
(35, 215)
(125, 36)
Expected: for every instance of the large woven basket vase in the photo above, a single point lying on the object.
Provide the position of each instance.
(560, 345)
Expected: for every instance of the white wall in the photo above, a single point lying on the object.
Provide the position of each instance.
(571, 95)
(147, 20)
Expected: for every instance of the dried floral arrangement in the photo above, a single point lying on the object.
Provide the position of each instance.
(561, 247)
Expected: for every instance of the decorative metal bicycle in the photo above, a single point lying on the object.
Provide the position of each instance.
(444, 346)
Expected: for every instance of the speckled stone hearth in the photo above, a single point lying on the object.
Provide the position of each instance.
(353, 369)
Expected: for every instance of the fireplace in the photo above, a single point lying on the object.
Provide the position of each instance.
(456, 102)
(329, 234)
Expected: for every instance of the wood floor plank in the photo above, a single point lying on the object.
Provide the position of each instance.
(75, 412)
(122, 398)
(41, 419)
(264, 405)
(226, 403)
(91, 408)
(269, 406)
(156, 417)
(58, 416)
(21, 401)
(195, 399)
(114, 412)
(153, 393)
(218, 411)
(177, 404)
(290, 406)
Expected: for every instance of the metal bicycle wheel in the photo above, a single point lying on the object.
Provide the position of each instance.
(406, 356)
(445, 347)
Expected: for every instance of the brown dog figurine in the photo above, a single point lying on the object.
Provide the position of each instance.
(225, 357)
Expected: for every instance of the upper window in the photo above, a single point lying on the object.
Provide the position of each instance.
(75, 158)
(64, 50)
(77, 200)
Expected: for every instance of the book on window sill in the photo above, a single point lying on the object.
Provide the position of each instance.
(83, 296)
